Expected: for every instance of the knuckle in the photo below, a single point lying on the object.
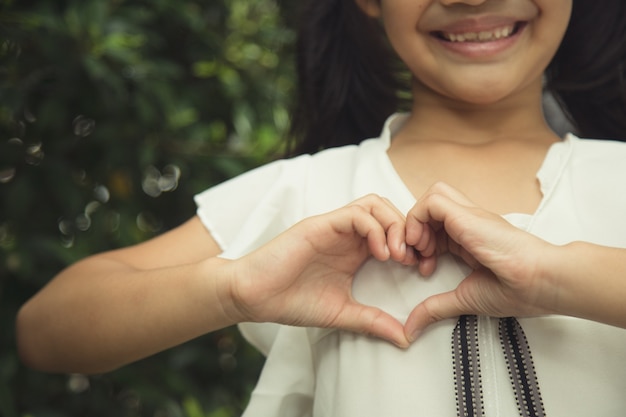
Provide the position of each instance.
(371, 198)
(432, 198)
(439, 187)
(431, 308)
(357, 209)
(366, 203)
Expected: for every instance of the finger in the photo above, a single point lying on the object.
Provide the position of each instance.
(427, 216)
(358, 219)
(410, 258)
(365, 225)
(437, 196)
(373, 322)
(427, 265)
(423, 240)
(444, 216)
(444, 189)
(416, 231)
(396, 237)
(433, 309)
(392, 222)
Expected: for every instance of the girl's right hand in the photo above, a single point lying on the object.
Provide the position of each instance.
(120, 306)
(304, 276)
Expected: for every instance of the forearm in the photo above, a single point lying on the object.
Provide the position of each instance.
(100, 314)
(590, 282)
(124, 305)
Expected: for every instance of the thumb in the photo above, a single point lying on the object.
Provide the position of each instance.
(375, 322)
(431, 310)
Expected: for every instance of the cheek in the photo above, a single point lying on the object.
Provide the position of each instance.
(400, 18)
(551, 34)
(556, 14)
(409, 44)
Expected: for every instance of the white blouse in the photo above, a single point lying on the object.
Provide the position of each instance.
(553, 365)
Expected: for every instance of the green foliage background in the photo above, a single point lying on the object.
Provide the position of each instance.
(113, 114)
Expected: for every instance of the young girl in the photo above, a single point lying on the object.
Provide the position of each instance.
(462, 214)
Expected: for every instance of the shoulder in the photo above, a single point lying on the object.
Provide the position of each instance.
(598, 156)
(586, 201)
(281, 192)
(597, 148)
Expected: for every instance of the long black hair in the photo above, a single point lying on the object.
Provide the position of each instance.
(347, 77)
(588, 73)
(350, 79)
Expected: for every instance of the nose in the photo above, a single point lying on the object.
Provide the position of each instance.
(468, 2)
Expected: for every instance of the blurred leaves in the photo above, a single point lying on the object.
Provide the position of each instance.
(112, 116)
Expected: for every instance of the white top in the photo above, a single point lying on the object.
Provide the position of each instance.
(580, 365)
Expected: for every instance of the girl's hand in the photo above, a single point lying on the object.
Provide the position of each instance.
(507, 278)
(304, 276)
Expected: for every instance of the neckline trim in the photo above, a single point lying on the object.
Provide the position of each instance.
(548, 174)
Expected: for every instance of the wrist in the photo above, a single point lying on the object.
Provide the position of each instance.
(552, 293)
(567, 277)
(222, 275)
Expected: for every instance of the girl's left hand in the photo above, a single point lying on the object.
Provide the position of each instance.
(507, 278)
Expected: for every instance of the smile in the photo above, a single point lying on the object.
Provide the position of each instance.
(482, 36)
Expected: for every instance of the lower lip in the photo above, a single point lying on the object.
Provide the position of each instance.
(483, 50)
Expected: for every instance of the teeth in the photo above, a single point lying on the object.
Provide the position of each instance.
(486, 36)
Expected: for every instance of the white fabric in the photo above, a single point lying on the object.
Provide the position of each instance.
(581, 365)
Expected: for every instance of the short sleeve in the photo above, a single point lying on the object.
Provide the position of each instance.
(245, 212)
(249, 210)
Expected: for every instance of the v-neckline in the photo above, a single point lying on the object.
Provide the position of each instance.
(548, 173)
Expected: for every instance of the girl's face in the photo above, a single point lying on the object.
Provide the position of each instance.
(473, 51)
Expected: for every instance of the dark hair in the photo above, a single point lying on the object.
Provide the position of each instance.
(349, 77)
(588, 73)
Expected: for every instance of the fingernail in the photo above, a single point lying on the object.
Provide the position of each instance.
(413, 336)
(402, 344)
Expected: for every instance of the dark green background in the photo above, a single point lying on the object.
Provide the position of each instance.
(113, 114)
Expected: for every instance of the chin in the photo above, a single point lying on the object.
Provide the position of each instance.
(486, 100)
(486, 97)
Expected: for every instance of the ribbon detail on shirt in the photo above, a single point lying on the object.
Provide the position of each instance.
(467, 376)
(469, 397)
(521, 368)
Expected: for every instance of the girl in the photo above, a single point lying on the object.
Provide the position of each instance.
(465, 212)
